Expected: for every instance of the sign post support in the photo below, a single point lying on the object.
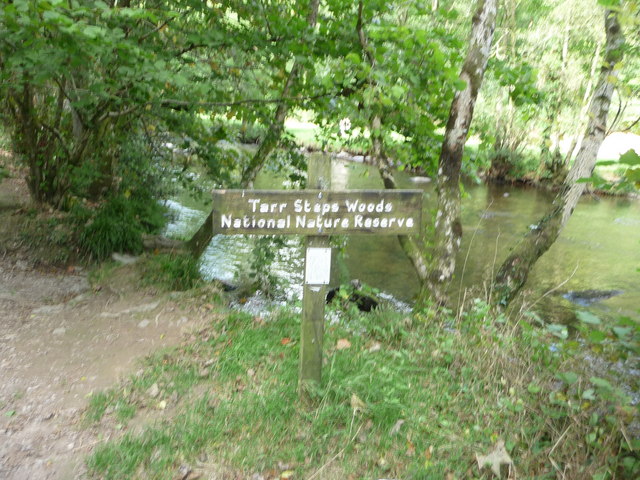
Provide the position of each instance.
(314, 288)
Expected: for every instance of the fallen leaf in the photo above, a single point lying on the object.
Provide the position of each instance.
(285, 341)
(357, 404)
(286, 475)
(375, 347)
(428, 453)
(251, 372)
(495, 459)
(162, 405)
(383, 464)
(411, 449)
(343, 344)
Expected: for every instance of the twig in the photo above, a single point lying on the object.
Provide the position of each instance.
(466, 258)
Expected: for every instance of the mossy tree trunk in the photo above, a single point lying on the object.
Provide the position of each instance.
(513, 273)
(448, 226)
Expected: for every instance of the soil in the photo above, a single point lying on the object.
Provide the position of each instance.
(62, 338)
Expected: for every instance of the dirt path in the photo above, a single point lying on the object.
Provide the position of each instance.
(60, 340)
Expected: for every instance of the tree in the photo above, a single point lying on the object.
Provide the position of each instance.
(448, 226)
(514, 271)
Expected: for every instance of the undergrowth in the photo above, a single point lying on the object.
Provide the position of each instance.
(117, 225)
(172, 271)
(412, 396)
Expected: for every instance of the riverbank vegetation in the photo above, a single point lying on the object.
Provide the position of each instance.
(405, 395)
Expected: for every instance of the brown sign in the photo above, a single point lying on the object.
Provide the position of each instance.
(317, 212)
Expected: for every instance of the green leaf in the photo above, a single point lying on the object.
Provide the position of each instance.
(459, 84)
(533, 388)
(597, 336)
(587, 317)
(589, 394)
(622, 332)
(567, 377)
(633, 174)
(630, 158)
(354, 58)
(601, 383)
(558, 330)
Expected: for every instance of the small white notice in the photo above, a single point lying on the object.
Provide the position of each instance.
(318, 266)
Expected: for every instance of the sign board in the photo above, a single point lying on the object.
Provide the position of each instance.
(317, 266)
(317, 212)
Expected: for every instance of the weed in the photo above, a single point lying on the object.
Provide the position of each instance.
(117, 225)
(412, 396)
(176, 272)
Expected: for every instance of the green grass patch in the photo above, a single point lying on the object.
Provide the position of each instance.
(172, 271)
(403, 396)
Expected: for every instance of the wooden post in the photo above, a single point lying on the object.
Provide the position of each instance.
(313, 296)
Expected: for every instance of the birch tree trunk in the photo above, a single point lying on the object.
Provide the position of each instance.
(202, 237)
(448, 227)
(513, 273)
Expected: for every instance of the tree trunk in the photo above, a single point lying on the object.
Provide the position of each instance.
(513, 273)
(202, 237)
(585, 104)
(448, 227)
(274, 133)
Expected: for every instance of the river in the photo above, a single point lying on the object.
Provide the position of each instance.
(599, 249)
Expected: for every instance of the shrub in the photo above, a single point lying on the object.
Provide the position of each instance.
(118, 224)
(172, 271)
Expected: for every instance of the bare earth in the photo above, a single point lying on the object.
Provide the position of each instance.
(60, 340)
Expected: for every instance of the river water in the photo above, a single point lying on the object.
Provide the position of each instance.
(599, 249)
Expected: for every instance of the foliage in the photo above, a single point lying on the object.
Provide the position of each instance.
(629, 174)
(118, 225)
(410, 396)
(174, 272)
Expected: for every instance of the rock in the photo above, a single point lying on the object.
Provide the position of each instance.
(59, 331)
(47, 309)
(144, 324)
(364, 301)
(153, 390)
(418, 179)
(587, 297)
(124, 258)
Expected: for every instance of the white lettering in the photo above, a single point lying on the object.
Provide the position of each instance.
(225, 221)
(254, 203)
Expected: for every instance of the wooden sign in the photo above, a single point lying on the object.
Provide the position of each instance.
(317, 212)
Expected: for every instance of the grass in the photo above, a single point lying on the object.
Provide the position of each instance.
(175, 271)
(412, 396)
